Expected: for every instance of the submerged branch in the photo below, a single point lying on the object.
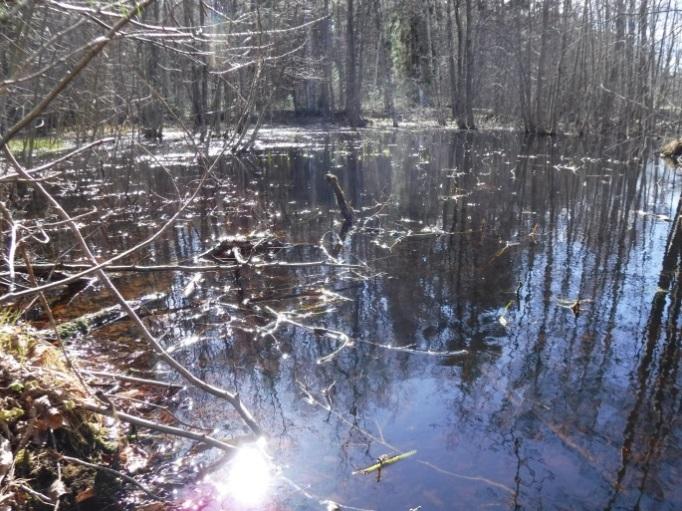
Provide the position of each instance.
(133, 379)
(106, 316)
(384, 461)
(162, 428)
(82, 267)
(63, 270)
(346, 209)
(353, 425)
(347, 342)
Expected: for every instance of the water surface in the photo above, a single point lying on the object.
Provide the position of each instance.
(515, 318)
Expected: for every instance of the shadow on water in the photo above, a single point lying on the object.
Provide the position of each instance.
(554, 265)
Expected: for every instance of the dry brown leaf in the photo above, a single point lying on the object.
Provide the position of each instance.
(153, 506)
(49, 417)
(132, 393)
(84, 495)
(165, 417)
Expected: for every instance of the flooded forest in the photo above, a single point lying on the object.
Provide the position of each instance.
(340, 255)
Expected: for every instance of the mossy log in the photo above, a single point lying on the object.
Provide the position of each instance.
(88, 322)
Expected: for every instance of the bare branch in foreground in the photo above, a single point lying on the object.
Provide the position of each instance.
(97, 46)
(133, 379)
(162, 428)
(232, 398)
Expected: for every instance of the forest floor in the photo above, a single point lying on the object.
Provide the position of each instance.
(54, 450)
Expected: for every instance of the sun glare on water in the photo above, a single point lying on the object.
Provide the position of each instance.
(247, 478)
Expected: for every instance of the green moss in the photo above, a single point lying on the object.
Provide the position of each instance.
(16, 386)
(102, 439)
(15, 342)
(71, 328)
(22, 460)
(41, 145)
(9, 316)
(33, 367)
(11, 415)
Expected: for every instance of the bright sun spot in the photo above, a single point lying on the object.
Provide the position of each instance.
(247, 477)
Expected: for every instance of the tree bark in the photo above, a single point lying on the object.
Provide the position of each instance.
(469, 102)
(353, 100)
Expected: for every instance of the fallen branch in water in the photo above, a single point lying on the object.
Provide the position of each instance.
(65, 267)
(343, 339)
(95, 267)
(231, 248)
(161, 428)
(93, 320)
(384, 461)
(346, 341)
(346, 209)
(354, 426)
(412, 351)
(133, 379)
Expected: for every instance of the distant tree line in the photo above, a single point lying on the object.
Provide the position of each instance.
(221, 67)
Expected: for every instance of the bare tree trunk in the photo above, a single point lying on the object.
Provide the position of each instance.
(539, 90)
(469, 103)
(433, 74)
(326, 96)
(629, 63)
(386, 60)
(203, 98)
(452, 73)
(460, 105)
(523, 61)
(353, 100)
(151, 111)
(559, 74)
(198, 76)
(643, 88)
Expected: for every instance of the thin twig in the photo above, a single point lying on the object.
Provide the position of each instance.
(98, 45)
(134, 379)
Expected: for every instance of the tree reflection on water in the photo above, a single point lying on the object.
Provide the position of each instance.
(552, 406)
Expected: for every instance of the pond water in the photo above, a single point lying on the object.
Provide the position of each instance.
(508, 308)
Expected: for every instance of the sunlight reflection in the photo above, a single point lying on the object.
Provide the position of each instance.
(247, 478)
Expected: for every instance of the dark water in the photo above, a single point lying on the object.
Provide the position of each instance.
(481, 242)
